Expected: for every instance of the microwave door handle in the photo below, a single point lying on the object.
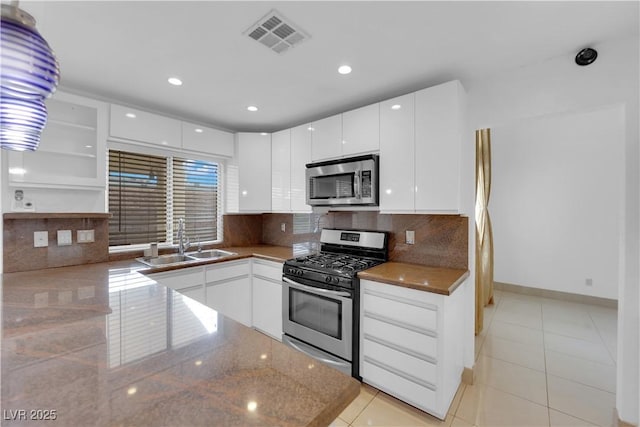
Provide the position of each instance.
(357, 180)
(316, 290)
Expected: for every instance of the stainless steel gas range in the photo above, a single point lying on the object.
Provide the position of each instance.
(320, 296)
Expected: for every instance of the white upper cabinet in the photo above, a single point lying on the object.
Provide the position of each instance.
(72, 151)
(281, 171)
(361, 130)
(326, 141)
(254, 169)
(300, 156)
(207, 140)
(439, 127)
(136, 125)
(397, 153)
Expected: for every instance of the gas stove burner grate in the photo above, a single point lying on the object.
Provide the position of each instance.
(337, 262)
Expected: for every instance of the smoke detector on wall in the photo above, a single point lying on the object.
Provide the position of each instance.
(276, 32)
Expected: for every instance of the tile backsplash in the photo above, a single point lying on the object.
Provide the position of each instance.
(19, 253)
(440, 240)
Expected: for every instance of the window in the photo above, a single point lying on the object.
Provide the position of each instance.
(195, 198)
(147, 195)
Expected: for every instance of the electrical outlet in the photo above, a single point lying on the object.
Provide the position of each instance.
(283, 227)
(40, 239)
(588, 281)
(410, 237)
(64, 237)
(85, 236)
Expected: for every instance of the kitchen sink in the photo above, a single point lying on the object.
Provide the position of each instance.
(165, 260)
(177, 259)
(210, 254)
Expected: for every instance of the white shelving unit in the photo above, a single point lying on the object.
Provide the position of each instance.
(72, 150)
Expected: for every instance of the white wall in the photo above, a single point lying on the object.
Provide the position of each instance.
(557, 87)
(556, 201)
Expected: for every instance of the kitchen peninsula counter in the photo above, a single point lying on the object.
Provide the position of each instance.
(104, 345)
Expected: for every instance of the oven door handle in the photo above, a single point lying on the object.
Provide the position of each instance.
(313, 354)
(316, 290)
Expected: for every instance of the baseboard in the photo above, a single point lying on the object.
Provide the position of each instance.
(468, 376)
(617, 422)
(564, 296)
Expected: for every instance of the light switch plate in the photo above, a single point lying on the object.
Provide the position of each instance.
(85, 236)
(64, 237)
(40, 239)
(410, 237)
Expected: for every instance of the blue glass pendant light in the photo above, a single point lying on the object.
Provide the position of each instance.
(29, 73)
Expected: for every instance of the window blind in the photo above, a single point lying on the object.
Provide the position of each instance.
(195, 197)
(137, 198)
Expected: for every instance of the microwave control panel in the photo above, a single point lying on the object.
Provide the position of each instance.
(366, 184)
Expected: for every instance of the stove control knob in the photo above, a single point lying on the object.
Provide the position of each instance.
(327, 279)
(336, 280)
(299, 273)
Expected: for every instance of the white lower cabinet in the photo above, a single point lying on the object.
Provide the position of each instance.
(187, 281)
(248, 291)
(411, 344)
(228, 289)
(267, 297)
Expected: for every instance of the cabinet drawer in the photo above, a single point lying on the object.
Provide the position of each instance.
(226, 271)
(411, 340)
(411, 366)
(180, 279)
(409, 391)
(269, 270)
(405, 311)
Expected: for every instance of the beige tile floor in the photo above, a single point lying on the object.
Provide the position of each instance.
(539, 362)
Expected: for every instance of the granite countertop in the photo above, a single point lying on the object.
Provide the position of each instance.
(430, 279)
(103, 345)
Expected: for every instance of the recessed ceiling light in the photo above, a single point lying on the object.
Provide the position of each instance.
(131, 115)
(344, 69)
(88, 146)
(396, 107)
(311, 128)
(252, 108)
(175, 81)
(264, 133)
(198, 130)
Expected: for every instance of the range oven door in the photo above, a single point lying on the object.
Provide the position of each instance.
(318, 316)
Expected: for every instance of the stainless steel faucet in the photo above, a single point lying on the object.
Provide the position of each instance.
(183, 240)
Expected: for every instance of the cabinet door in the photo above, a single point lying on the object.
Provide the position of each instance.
(195, 293)
(72, 150)
(361, 130)
(281, 171)
(180, 279)
(300, 156)
(326, 141)
(397, 162)
(267, 306)
(137, 125)
(207, 140)
(232, 298)
(254, 167)
(438, 137)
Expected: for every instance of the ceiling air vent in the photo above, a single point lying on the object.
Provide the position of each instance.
(276, 33)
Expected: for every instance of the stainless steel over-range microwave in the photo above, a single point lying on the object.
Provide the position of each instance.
(343, 182)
